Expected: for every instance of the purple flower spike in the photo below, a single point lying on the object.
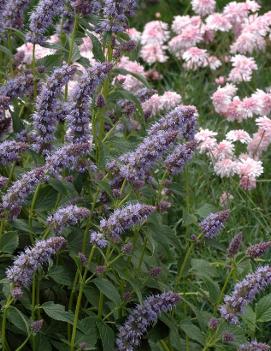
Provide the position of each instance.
(254, 346)
(10, 151)
(214, 223)
(98, 240)
(21, 85)
(142, 317)
(13, 13)
(125, 218)
(67, 216)
(235, 244)
(176, 161)
(258, 250)
(244, 292)
(20, 274)
(86, 7)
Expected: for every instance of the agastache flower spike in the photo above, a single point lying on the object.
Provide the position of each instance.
(258, 250)
(244, 293)
(3, 182)
(78, 117)
(142, 317)
(182, 119)
(214, 223)
(254, 346)
(18, 193)
(176, 161)
(10, 151)
(125, 218)
(45, 117)
(68, 156)
(20, 86)
(98, 239)
(13, 13)
(20, 274)
(235, 244)
(86, 7)
(116, 13)
(42, 17)
(67, 216)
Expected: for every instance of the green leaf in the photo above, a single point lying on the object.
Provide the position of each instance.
(61, 275)
(88, 327)
(18, 319)
(108, 289)
(204, 210)
(9, 242)
(203, 267)
(192, 331)
(97, 48)
(249, 318)
(57, 312)
(107, 336)
(263, 309)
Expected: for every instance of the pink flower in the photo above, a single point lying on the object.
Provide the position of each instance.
(189, 37)
(206, 140)
(156, 103)
(225, 167)
(243, 68)
(180, 23)
(129, 82)
(155, 32)
(214, 63)
(195, 58)
(238, 135)
(134, 34)
(86, 49)
(153, 52)
(218, 22)
(222, 150)
(263, 102)
(220, 80)
(203, 7)
(264, 123)
(248, 167)
(222, 97)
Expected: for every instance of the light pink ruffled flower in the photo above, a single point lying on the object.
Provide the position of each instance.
(180, 23)
(225, 167)
(218, 22)
(155, 32)
(238, 135)
(203, 7)
(263, 102)
(129, 82)
(222, 97)
(195, 58)
(248, 169)
(190, 36)
(243, 68)
(153, 52)
(214, 63)
(222, 150)
(134, 34)
(206, 140)
(156, 103)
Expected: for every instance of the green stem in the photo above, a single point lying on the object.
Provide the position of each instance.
(23, 344)
(79, 299)
(33, 302)
(101, 305)
(142, 254)
(4, 322)
(224, 287)
(164, 345)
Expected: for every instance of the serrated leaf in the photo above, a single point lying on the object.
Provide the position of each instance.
(18, 319)
(203, 267)
(57, 312)
(107, 336)
(9, 242)
(192, 331)
(263, 309)
(61, 275)
(249, 318)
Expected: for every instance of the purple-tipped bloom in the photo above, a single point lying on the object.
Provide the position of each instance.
(98, 240)
(68, 157)
(86, 7)
(227, 337)
(135, 166)
(45, 118)
(244, 292)
(21, 85)
(18, 193)
(254, 346)
(20, 274)
(10, 151)
(177, 159)
(3, 181)
(36, 326)
(182, 119)
(214, 223)
(115, 15)
(142, 317)
(258, 250)
(78, 117)
(67, 216)
(42, 17)
(235, 244)
(125, 218)
(13, 13)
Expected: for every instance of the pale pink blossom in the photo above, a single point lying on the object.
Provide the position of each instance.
(248, 107)
(218, 22)
(248, 167)
(203, 7)
(155, 32)
(222, 97)
(222, 150)
(220, 80)
(195, 58)
(238, 135)
(153, 52)
(243, 68)
(214, 63)
(134, 34)
(259, 143)
(236, 12)
(40, 52)
(180, 23)
(264, 123)
(189, 37)
(86, 49)
(225, 167)
(165, 102)
(129, 82)
(263, 102)
(206, 140)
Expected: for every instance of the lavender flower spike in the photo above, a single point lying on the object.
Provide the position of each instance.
(254, 346)
(176, 161)
(42, 17)
(124, 218)
(21, 85)
(235, 244)
(258, 250)
(214, 223)
(20, 274)
(142, 317)
(68, 156)
(66, 216)
(244, 292)
(17, 194)
(45, 118)
(98, 240)
(86, 7)
(10, 151)
(78, 117)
